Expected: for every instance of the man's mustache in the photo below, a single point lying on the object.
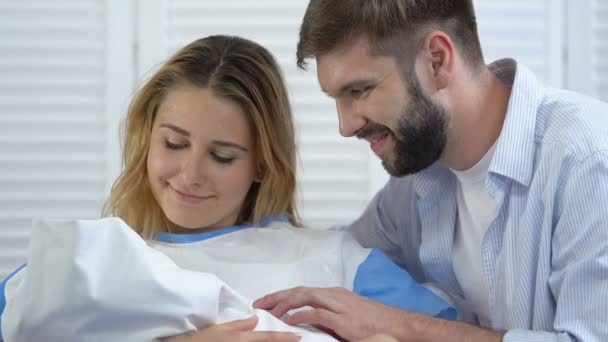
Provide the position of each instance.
(372, 129)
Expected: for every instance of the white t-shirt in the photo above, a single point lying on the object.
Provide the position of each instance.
(476, 211)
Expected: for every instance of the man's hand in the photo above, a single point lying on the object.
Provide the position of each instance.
(352, 317)
(236, 331)
(336, 310)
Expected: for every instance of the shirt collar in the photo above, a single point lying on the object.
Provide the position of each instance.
(431, 180)
(187, 238)
(514, 154)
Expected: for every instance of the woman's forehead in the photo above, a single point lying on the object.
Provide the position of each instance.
(200, 112)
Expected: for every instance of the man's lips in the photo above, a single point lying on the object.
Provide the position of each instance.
(377, 142)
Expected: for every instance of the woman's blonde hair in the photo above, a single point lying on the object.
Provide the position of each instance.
(235, 69)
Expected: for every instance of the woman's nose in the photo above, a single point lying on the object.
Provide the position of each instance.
(193, 171)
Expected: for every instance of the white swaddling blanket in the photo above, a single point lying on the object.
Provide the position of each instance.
(100, 281)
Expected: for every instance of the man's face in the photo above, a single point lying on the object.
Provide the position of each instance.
(404, 127)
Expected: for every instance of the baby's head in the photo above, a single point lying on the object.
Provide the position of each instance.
(208, 142)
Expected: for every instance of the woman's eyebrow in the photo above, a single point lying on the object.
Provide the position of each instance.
(230, 144)
(176, 129)
(220, 143)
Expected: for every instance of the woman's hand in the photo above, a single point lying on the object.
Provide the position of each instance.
(237, 331)
(379, 338)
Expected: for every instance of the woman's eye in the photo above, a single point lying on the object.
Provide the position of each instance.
(173, 146)
(222, 159)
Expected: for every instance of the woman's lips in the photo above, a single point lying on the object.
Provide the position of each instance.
(190, 198)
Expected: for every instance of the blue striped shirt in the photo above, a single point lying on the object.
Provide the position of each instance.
(545, 256)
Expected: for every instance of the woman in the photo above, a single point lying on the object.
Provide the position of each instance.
(233, 90)
(209, 182)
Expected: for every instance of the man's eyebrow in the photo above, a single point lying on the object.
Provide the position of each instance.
(230, 144)
(176, 129)
(360, 83)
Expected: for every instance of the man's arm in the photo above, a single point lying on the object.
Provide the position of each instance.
(387, 219)
(426, 328)
(578, 281)
(353, 317)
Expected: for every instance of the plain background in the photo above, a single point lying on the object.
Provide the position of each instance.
(69, 67)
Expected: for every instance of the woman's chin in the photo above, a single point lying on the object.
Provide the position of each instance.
(189, 226)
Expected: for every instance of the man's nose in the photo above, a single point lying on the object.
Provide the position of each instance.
(350, 120)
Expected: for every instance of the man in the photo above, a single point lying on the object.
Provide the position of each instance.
(499, 187)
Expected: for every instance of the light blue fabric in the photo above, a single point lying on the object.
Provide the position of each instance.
(186, 238)
(545, 257)
(379, 278)
(2, 296)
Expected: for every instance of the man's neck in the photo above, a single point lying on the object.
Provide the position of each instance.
(479, 117)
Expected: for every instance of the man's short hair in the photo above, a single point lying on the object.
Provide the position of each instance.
(393, 27)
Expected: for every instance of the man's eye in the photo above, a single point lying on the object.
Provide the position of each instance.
(359, 92)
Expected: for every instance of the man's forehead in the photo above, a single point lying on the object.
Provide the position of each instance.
(339, 86)
(357, 45)
(350, 65)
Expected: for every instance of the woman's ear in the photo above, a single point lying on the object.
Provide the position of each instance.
(259, 176)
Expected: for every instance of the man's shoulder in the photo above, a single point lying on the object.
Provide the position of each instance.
(400, 187)
(572, 124)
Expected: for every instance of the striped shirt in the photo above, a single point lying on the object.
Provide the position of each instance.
(545, 256)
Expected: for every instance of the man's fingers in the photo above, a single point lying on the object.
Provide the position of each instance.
(281, 302)
(247, 324)
(330, 322)
(271, 300)
(316, 317)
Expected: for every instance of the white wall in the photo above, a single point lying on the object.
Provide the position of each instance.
(69, 67)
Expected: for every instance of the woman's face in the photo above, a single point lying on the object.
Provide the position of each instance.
(201, 161)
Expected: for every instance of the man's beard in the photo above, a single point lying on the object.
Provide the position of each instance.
(421, 135)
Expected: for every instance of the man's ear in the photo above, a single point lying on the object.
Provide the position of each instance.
(438, 54)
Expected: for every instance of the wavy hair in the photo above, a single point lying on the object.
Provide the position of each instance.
(237, 70)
